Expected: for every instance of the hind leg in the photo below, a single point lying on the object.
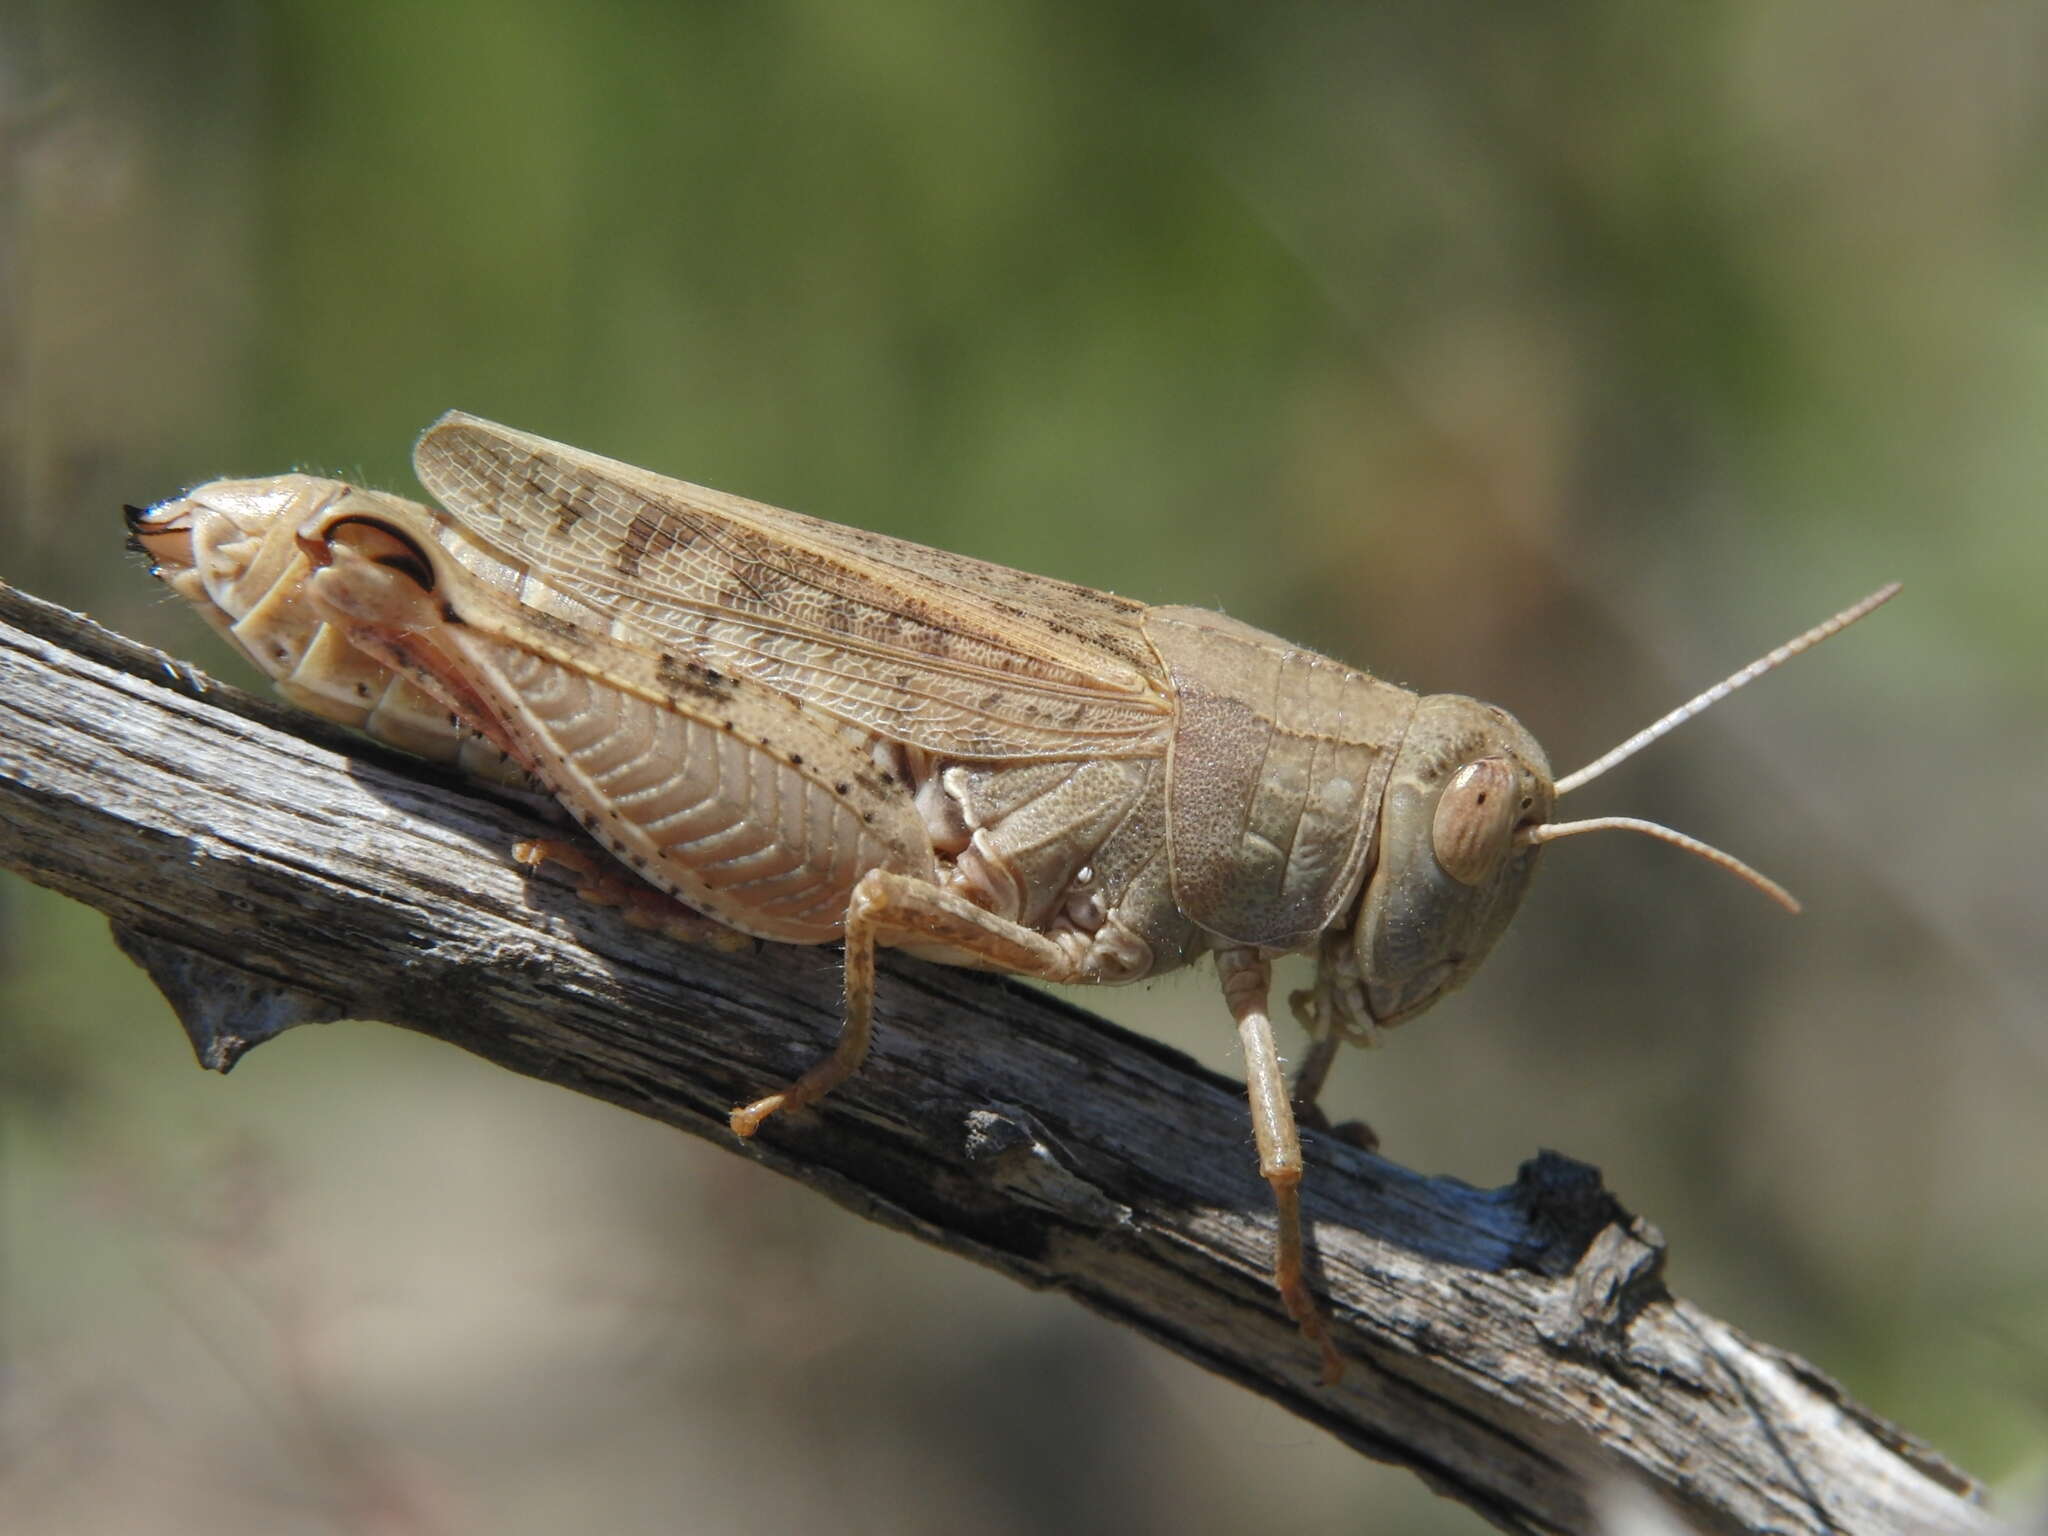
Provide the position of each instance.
(604, 882)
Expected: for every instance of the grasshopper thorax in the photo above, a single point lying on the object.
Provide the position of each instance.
(1453, 860)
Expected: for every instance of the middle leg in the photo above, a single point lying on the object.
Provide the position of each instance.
(899, 911)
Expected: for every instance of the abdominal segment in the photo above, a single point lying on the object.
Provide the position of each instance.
(235, 560)
(764, 819)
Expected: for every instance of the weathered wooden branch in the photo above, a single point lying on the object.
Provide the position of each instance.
(1516, 1347)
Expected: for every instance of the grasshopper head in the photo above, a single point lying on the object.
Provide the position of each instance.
(1466, 810)
(1453, 856)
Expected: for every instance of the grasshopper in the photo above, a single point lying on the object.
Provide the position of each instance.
(808, 733)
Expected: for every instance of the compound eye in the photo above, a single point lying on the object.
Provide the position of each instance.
(1475, 820)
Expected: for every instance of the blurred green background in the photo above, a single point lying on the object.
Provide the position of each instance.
(1567, 355)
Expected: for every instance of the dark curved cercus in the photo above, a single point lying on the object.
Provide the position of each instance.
(384, 545)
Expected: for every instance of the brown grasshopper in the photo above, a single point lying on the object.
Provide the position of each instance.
(810, 733)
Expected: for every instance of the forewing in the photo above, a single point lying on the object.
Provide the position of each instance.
(943, 652)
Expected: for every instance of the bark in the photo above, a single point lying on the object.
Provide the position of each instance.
(1517, 1347)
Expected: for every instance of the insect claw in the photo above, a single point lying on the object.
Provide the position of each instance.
(746, 1119)
(1302, 1004)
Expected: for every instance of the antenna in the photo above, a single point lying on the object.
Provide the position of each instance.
(1726, 686)
(1551, 831)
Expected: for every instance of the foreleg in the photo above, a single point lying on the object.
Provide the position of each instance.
(1247, 980)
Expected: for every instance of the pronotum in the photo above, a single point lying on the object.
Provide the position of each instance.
(809, 733)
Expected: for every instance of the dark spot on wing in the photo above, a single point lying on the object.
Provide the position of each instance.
(572, 511)
(552, 623)
(693, 678)
(654, 531)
